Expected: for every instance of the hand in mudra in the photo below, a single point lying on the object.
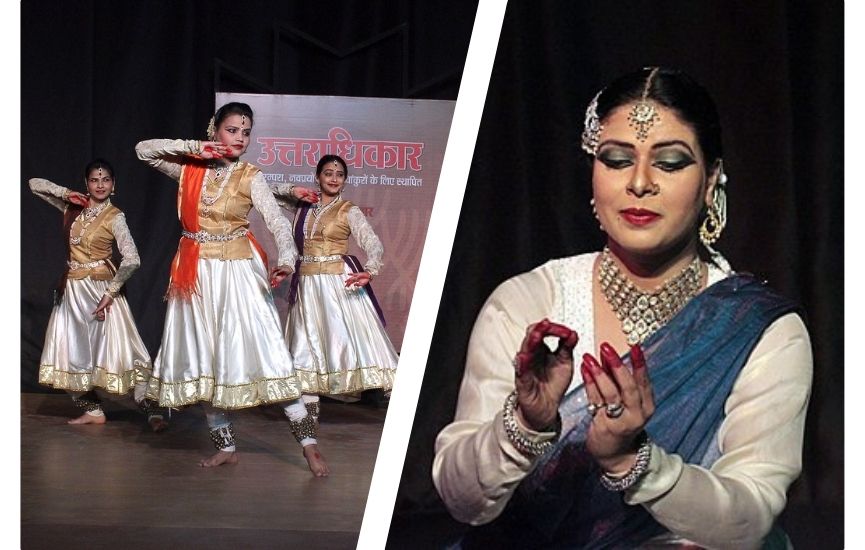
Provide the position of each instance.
(357, 280)
(304, 194)
(278, 274)
(77, 198)
(542, 375)
(103, 307)
(213, 150)
(613, 434)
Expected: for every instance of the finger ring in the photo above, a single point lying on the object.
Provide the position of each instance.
(593, 408)
(615, 410)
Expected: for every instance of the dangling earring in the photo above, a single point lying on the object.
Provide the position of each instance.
(595, 213)
(710, 229)
(211, 128)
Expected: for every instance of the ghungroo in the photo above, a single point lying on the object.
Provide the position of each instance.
(223, 437)
(303, 429)
(89, 402)
(314, 409)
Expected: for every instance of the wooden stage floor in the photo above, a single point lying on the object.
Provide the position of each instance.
(121, 486)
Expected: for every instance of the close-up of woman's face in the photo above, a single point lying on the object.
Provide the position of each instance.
(331, 178)
(649, 193)
(100, 184)
(234, 131)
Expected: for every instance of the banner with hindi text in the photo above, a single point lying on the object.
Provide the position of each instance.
(394, 150)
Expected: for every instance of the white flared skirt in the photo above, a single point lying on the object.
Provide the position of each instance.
(337, 340)
(225, 344)
(82, 353)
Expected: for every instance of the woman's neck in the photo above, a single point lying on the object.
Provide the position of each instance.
(327, 199)
(650, 271)
(93, 203)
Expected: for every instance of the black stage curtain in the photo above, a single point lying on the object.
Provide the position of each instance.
(775, 69)
(97, 76)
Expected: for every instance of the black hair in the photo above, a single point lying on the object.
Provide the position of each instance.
(677, 91)
(96, 164)
(325, 159)
(233, 108)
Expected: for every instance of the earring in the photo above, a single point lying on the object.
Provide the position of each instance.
(710, 229)
(595, 213)
(211, 128)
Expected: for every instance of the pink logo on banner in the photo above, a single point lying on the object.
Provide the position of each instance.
(357, 154)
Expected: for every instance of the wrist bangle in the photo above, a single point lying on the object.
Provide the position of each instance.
(639, 469)
(517, 437)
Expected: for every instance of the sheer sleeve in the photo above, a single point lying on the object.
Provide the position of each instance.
(476, 468)
(735, 502)
(264, 201)
(128, 251)
(166, 154)
(366, 239)
(50, 192)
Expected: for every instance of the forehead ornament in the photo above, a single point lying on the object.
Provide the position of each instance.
(592, 127)
(643, 114)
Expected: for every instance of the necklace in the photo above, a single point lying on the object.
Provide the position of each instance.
(209, 200)
(85, 218)
(317, 212)
(642, 313)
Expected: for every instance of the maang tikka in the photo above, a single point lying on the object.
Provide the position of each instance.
(643, 114)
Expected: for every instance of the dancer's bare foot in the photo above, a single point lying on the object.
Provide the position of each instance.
(220, 458)
(157, 423)
(316, 462)
(88, 419)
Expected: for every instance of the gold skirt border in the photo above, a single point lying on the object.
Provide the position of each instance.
(99, 377)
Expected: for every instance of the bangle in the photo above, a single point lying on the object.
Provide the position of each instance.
(517, 437)
(637, 471)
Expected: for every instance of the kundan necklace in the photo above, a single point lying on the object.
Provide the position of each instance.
(209, 200)
(642, 313)
(85, 218)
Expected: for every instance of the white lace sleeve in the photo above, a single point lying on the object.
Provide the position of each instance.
(264, 201)
(128, 251)
(366, 239)
(165, 154)
(50, 192)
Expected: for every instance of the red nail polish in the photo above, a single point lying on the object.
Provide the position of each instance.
(610, 355)
(586, 373)
(638, 360)
(592, 363)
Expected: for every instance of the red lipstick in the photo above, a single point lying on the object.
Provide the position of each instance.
(639, 216)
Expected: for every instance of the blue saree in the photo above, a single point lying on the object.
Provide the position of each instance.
(693, 362)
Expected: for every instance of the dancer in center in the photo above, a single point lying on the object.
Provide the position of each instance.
(222, 344)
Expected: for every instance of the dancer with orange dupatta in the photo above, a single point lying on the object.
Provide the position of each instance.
(222, 344)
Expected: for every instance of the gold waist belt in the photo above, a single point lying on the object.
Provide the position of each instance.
(205, 237)
(89, 265)
(320, 259)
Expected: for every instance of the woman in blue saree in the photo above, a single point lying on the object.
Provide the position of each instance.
(672, 409)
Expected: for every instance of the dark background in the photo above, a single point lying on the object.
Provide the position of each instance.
(98, 76)
(775, 69)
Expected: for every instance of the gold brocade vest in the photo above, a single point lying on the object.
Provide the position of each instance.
(95, 245)
(228, 214)
(330, 237)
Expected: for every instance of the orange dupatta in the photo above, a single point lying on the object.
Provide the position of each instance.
(184, 267)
